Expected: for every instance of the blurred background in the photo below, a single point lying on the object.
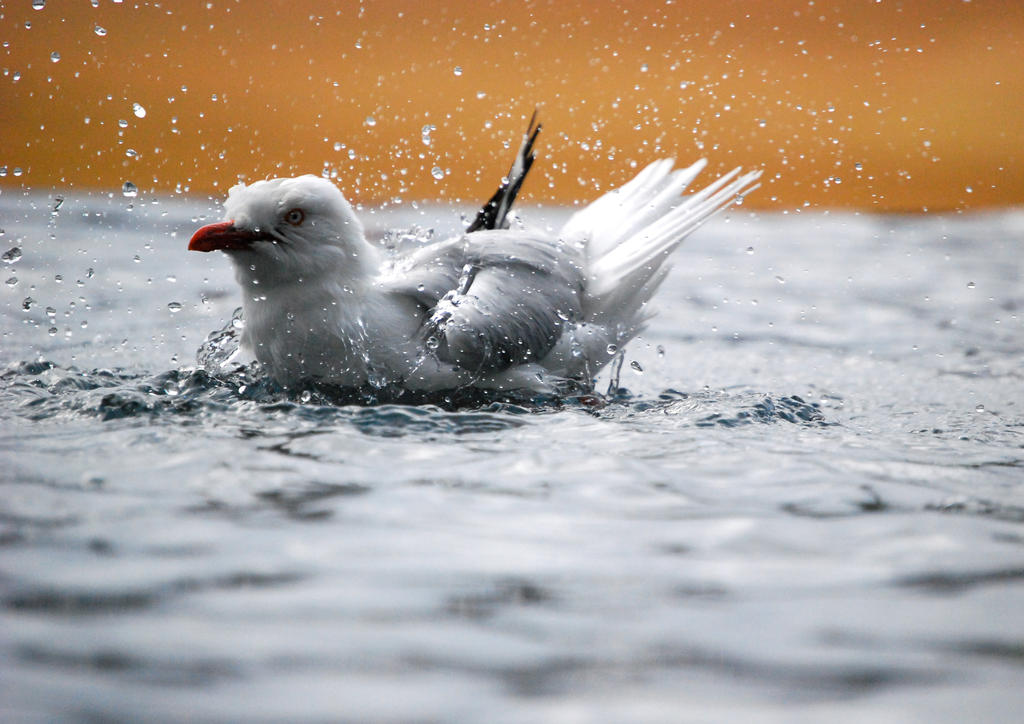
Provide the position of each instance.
(870, 105)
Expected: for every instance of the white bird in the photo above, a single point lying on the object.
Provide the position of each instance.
(492, 308)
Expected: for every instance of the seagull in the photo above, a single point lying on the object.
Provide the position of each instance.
(495, 307)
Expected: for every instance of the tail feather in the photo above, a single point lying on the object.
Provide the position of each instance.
(625, 314)
(631, 232)
(617, 215)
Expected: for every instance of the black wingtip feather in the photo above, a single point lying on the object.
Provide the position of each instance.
(494, 212)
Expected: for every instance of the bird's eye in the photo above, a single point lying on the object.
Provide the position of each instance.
(295, 217)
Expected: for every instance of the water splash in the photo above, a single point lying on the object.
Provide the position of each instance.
(221, 346)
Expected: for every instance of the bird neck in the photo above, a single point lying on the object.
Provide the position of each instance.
(362, 262)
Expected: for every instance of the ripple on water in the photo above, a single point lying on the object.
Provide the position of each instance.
(722, 409)
(84, 601)
(43, 390)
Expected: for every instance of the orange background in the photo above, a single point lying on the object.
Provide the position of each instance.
(859, 104)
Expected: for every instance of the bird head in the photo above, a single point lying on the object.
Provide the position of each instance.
(287, 229)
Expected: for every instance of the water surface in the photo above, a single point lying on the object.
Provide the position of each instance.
(804, 502)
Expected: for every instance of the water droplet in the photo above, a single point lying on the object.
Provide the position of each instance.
(636, 367)
(55, 57)
(130, 190)
(100, 31)
(52, 331)
(337, 145)
(612, 348)
(437, 172)
(27, 303)
(432, 342)
(12, 281)
(122, 123)
(370, 121)
(750, 250)
(174, 307)
(11, 255)
(138, 110)
(979, 408)
(970, 285)
(306, 396)
(458, 70)
(38, 4)
(425, 134)
(780, 280)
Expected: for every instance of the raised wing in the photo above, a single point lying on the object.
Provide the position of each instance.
(493, 214)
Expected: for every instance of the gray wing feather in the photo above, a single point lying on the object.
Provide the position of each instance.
(494, 299)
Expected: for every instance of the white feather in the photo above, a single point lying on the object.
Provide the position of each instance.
(631, 232)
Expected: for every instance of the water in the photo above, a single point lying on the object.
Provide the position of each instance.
(806, 505)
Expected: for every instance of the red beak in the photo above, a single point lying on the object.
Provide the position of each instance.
(221, 236)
